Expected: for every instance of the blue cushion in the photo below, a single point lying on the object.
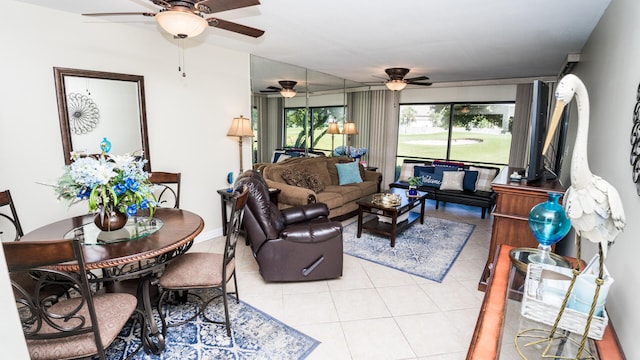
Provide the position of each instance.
(348, 173)
(431, 176)
(469, 181)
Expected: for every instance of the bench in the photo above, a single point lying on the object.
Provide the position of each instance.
(475, 189)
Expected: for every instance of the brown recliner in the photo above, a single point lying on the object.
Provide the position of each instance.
(294, 244)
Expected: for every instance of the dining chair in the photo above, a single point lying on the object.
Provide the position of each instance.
(79, 326)
(200, 270)
(167, 188)
(13, 230)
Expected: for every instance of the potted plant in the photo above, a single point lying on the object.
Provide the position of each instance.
(414, 182)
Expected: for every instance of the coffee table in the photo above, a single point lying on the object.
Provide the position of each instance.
(368, 205)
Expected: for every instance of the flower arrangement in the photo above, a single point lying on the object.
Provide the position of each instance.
(353, 152)
(110, 184)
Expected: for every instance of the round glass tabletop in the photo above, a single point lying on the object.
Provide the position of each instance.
(520, 258)
(136, 227)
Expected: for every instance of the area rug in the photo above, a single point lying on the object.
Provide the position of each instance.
(255, 335)
(427, 250)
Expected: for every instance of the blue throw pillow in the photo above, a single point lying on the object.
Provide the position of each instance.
(430, 176)
(348, 173)
(469, 181)
(418, 171)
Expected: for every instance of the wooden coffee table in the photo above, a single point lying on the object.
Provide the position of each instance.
(367, 205)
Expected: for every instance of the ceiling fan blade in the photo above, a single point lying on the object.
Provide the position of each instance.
(234, 27)
(269, 91)
(274, 88)
(121, 13)
(419, 78)
(420, 83)
(214, 6)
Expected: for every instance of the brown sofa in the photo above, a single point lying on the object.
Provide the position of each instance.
(340, 199)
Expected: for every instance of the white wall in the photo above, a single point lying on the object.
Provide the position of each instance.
(609, 68)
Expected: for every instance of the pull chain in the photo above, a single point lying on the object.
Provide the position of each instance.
(181, 66)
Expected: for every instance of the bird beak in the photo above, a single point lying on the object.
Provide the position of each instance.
(555, 120)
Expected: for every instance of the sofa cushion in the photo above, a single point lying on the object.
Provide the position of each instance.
(331, 198)
(452, 180)
(485, 177)
(313, 182)
(407, 171)
(318, 167)
(429, 176)
(348, 173)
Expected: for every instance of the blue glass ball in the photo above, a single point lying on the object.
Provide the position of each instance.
(548, 221)
(105, 145)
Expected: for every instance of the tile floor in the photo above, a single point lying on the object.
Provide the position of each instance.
(374, 312)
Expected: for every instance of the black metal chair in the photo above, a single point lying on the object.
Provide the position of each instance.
(79, 326)
(197, 270)
(12, 231)
(167, 188)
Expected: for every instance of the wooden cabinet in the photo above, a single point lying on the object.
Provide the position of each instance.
(514, 202)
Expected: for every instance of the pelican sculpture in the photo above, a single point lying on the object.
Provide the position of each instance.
(591, 203)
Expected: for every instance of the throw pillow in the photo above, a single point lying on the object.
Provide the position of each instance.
(485, 177)
(362, 171)
(452, 180)
(295, 177)
(469, 181)
(348, 173)
(430, 176)
(313, 182)
(407, 171)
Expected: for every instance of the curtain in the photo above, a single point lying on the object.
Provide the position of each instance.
(359, 111)
(518, 155)
(383, 133)
(269, 112)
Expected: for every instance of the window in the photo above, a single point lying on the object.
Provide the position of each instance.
(297, 125)
(470, 132)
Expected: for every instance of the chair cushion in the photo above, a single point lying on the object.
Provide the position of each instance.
(195, 270)
(348, 173)
(112, 310)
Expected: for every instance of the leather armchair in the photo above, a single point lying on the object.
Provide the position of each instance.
(296, 244)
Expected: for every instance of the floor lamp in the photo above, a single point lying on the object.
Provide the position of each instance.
(333, 129)
(240, 127)
(349, 129)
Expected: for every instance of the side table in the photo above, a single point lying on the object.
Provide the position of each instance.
(225, 199)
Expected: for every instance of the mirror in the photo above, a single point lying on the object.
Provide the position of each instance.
(93, 105)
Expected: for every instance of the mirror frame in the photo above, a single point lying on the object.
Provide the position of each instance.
(63, 114)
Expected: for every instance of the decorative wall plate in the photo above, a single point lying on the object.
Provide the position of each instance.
(83, 113)
(635, 142)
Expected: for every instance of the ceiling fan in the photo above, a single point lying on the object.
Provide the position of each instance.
(397, 81)
(286, 90)
(185, 18)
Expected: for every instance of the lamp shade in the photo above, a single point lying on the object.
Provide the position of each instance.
(181, 23)
(396, 85)
(288, 93)
(333, 128)
(349, 128)
(240, 127)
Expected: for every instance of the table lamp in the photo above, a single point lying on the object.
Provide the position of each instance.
(349, 129)
(240, 127)
(333, 129)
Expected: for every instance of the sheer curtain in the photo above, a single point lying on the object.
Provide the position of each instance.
(383, 133)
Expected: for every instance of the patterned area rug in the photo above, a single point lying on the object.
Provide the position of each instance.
(427, 250)
(254, 335)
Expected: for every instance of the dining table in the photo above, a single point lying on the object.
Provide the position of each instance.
(134, 255)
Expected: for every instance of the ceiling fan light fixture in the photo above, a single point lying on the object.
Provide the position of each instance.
(181, 23)
(396, 85)
(288, 93)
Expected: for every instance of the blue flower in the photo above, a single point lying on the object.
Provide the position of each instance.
(132, 209)
(131, 184)
(120, 189)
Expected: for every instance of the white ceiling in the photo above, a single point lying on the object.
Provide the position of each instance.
(447, 40)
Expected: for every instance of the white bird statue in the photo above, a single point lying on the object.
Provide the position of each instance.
(591, 203)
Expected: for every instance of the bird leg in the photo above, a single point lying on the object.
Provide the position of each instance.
(576, 271)
(599, 282)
